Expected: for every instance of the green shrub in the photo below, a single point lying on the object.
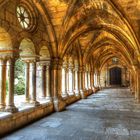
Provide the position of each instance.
(19, 75)
(20, 88)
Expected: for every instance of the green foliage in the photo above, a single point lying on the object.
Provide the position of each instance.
(19, 78)
(19, 69)
(20, 88)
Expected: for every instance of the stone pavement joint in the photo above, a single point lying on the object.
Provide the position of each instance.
(111, 114)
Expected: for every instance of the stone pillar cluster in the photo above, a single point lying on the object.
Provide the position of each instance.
(45, 79)
(134, 79)
(56, 85)
(7, 73)
(136, 83)
(51, 82)
(76, 81)
(30, 82)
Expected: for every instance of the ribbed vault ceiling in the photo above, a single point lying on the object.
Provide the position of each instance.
(92, 28)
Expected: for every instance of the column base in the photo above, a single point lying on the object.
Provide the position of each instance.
(65, 95)
(96, 89)
(59, 105)
(70, 93)
(77, 94)
(34, 103)
(26, 102)
(2, 108)
(42, 97)
(86, 93)
(90, 91)
(49, 98)
(11, 109)
(83, 96)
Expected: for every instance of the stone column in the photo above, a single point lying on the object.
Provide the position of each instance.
(138, 84)
(86, 79)
(33, 84)
(43, 82)
(130, 79)
(131, 82)
(95, 81)
(56, 77)
(27, 98)
(82, 82)
(65, 84)
(92, 80)
(125, 76)
(73, 81)
(2, 84)
(76, 82)
(89, 84)
(71, 91)
(83, 77)
(66, 81)
(10, 102)
(98, 79)
(79, 79)
(107, 77)
(70, 79)
(48, 92)
(135, 86)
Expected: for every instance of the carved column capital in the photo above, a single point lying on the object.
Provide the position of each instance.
(56, 63)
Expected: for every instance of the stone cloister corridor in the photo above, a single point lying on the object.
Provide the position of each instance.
(70, 68)
(111, 114)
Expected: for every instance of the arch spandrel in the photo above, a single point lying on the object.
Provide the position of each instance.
(5, 40)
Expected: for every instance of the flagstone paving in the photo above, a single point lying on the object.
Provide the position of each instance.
(111, 114)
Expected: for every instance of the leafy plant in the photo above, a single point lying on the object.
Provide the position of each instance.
(19, 76)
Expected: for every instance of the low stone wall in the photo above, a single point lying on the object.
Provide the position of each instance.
(10, 122)
(14, 121)
(71, 99)
(90, 91)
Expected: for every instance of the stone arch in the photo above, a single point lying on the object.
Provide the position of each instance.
(107, 55)
(109, 42)
(2, 2)
(45, 43)
(27, 48)
(119, 66)
(42, 8)
(44, 53)
(110, 57)
(111, 29)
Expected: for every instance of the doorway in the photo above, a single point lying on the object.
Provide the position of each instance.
(115, 76)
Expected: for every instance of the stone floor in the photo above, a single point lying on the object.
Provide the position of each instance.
(112, 114)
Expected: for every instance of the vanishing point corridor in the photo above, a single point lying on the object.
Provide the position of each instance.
(111, 114)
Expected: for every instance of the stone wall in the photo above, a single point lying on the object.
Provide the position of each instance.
(10, 122)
